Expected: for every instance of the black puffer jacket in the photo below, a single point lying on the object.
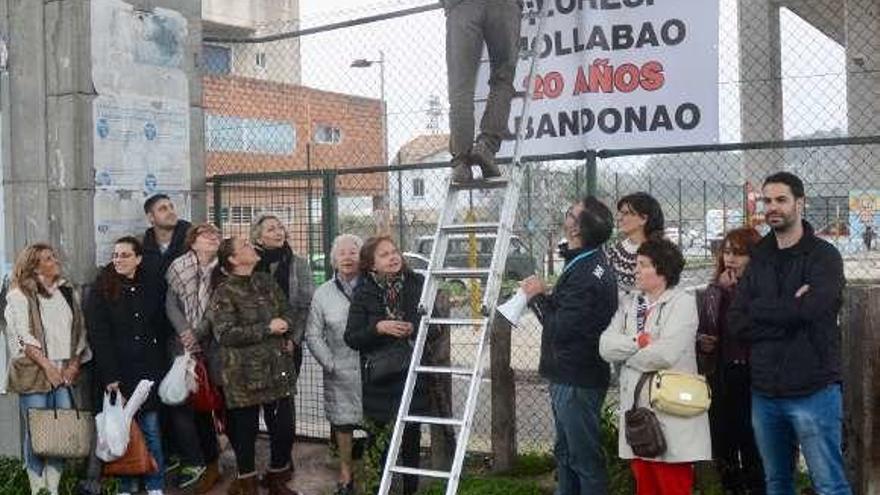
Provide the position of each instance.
(795, 342)
(574, 316)
(124, 338)
(381, 400)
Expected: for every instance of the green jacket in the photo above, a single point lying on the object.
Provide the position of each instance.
(256, 366)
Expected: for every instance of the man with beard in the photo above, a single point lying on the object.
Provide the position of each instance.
(786, 309)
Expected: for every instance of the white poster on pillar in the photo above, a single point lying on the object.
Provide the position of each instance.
(616, 74)
(141, 117)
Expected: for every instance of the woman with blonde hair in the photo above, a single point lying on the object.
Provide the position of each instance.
(46, 339)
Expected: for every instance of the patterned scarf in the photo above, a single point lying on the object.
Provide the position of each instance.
(392, 287)
(192, 285)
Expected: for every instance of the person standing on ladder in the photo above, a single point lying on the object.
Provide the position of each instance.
(470, 23)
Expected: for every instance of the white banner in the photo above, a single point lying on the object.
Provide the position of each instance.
(618, 74)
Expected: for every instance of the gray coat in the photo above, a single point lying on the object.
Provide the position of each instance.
(673, 328)
(325, 329)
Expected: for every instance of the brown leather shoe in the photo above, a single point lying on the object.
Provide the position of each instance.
(483, 156)
(209, 478)
(244, 486)
(278, 483)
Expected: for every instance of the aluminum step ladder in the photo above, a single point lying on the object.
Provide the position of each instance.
(434, 278)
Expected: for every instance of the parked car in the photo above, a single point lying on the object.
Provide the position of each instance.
(520, 264)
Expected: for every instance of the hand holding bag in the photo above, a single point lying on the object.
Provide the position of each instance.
(642, 428)
(61, 433)
(206, 398)
(679, 394)
(137, 460)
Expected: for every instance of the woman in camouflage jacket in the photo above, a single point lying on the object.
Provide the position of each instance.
(251, 319)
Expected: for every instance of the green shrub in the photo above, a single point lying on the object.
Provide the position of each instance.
(488, 486)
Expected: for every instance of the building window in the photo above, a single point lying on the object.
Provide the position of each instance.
(224, 214)
(217, 59)
(236, 134)
(260, 60)
(328, 134)
(242, 215)
(418, 188)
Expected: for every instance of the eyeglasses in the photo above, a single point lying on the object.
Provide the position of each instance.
(123, 256)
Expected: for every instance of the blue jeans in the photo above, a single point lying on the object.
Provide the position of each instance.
(814, 422)
(149, 424)
(60, 398)
(579, 460)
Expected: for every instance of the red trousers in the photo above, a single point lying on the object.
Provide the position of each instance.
(661, 478)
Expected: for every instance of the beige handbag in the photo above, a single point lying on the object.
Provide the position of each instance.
(63, 433)
(679, 394)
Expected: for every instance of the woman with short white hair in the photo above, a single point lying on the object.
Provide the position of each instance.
(325, 329)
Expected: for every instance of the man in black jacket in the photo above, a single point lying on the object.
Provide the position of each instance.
(574, 316)
(163, 243)
(786, 309)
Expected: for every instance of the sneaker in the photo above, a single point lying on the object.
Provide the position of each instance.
(189, 476)
(461, 170)
(155, 492)
(483, 156)
(172, 464)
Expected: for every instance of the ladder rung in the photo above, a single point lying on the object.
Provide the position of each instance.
(467, 228)
(421, 472)
(429, 420)
(495, 183)
(445, 370)
(459, 322)
(461, 272)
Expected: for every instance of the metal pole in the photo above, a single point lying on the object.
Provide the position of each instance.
(309, 202)
(218, 203)
(591, 173)
(329, 217)
(384, 108)
(679, 214)
(400, 226)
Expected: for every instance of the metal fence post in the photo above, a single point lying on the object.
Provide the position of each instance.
(400, 225)
(218, 203)
(591, 174)
(329, 217)
(679, 215)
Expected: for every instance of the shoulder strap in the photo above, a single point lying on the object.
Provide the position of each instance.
(642, 380)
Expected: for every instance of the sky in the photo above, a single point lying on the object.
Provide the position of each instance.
(814, 81)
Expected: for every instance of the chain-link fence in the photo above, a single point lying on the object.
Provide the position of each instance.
(305, 125)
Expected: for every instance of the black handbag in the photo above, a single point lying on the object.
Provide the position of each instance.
(642, 428)
(388, 362)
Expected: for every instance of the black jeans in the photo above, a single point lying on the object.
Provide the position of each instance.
(733, 440)
(409, 452)
(194, 434)
(242, 425)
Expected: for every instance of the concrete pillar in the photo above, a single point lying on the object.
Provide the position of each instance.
(863, 88)
(761, 88)
(48, 170)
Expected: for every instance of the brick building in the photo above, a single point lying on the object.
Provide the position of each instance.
(254, 126)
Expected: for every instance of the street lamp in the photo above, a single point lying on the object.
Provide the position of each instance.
(363, 63)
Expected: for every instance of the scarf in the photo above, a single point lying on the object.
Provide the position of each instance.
(192, 285)
(391, 286)
(277, 261)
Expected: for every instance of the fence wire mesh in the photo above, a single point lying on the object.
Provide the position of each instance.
(292, 121)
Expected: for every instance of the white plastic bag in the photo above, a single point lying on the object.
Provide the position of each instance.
(180, 381)
(112, 429)
(137, 399)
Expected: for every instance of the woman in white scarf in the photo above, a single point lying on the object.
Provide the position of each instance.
(189, 291)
